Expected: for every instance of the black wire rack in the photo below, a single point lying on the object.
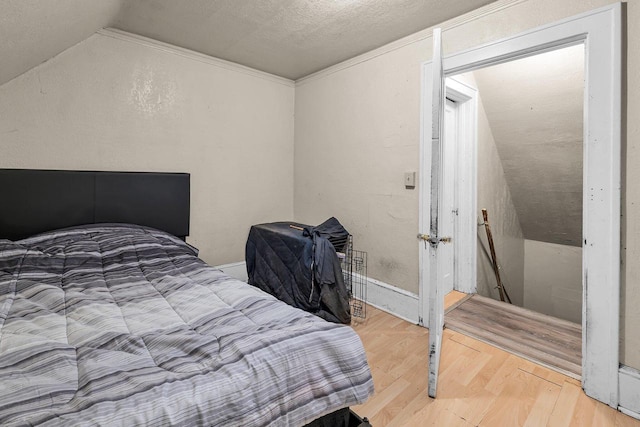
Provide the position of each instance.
(354, 271)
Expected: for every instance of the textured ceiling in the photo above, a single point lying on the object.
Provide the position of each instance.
(535, 110)
(534, 105)
(289, 38)
(33, 31)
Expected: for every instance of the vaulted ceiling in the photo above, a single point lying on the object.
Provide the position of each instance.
(536, 119)
(289, 38)
(33, 31)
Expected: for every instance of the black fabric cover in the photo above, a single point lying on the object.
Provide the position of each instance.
(300, 268)
(339, 418)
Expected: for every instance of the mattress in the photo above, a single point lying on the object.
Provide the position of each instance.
(124, 325)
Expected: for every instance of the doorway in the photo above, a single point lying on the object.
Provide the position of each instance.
(529, 183)
(599, 30)
(530, 151)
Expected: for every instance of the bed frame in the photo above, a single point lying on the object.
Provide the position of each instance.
(34, 201)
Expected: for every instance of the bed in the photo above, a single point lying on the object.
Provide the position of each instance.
(122, 324)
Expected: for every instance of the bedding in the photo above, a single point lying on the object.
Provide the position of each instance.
(124, 325)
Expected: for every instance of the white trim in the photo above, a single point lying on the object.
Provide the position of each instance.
(381, 295)
(601, 32)
(466, 177)
(629, 383)
(393, 300)
(538, 40)
(193, 55)
(448, 218)
(419, 36)
(424, 191)
(237, 270)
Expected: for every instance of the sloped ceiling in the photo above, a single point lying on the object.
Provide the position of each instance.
(33, 31)
(534, 105)
(289, 38)
(535, 109)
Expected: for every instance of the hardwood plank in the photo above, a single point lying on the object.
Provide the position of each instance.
(601, 414)
(454, 357)
(565, 406)
(454, 299)
(553, 342)
(400, 403)
(480, 384)
(546, 374)
(386, 396)
(522, 324)
(545, 401)
(622, 420)
(437, 414)
(513, 404)
(471, 401)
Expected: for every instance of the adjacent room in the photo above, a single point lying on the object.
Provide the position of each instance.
(530, 151)
(534, 110)
(239, 212)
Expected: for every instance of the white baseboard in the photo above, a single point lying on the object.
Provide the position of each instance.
(629, 386)
(393, 300)
(237, 270)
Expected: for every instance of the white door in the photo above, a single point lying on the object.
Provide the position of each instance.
(448, 202)
(443, 219)
(434, 237)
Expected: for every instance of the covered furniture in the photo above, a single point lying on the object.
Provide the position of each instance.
(298, 264)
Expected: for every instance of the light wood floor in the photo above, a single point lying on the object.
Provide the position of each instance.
(544, 339)
(479, 385)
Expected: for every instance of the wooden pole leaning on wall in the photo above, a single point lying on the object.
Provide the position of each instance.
(494, 260)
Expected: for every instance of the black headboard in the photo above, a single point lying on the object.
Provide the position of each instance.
(34, 201)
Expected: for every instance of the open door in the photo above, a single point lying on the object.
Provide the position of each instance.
(601, 32)
(433, 240)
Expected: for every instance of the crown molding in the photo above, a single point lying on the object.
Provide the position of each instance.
(193, 55)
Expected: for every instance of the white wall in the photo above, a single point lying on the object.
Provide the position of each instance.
(553, 279)
(121, 104)
(356, 134)
(109, 104)
(535, 107)
(495, 196)
(365, 112)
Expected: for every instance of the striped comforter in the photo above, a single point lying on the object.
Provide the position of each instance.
(124, 325)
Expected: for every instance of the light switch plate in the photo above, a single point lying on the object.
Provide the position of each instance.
(410, 179)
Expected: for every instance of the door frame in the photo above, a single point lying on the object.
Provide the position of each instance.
(466, 176)
(600, 30)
